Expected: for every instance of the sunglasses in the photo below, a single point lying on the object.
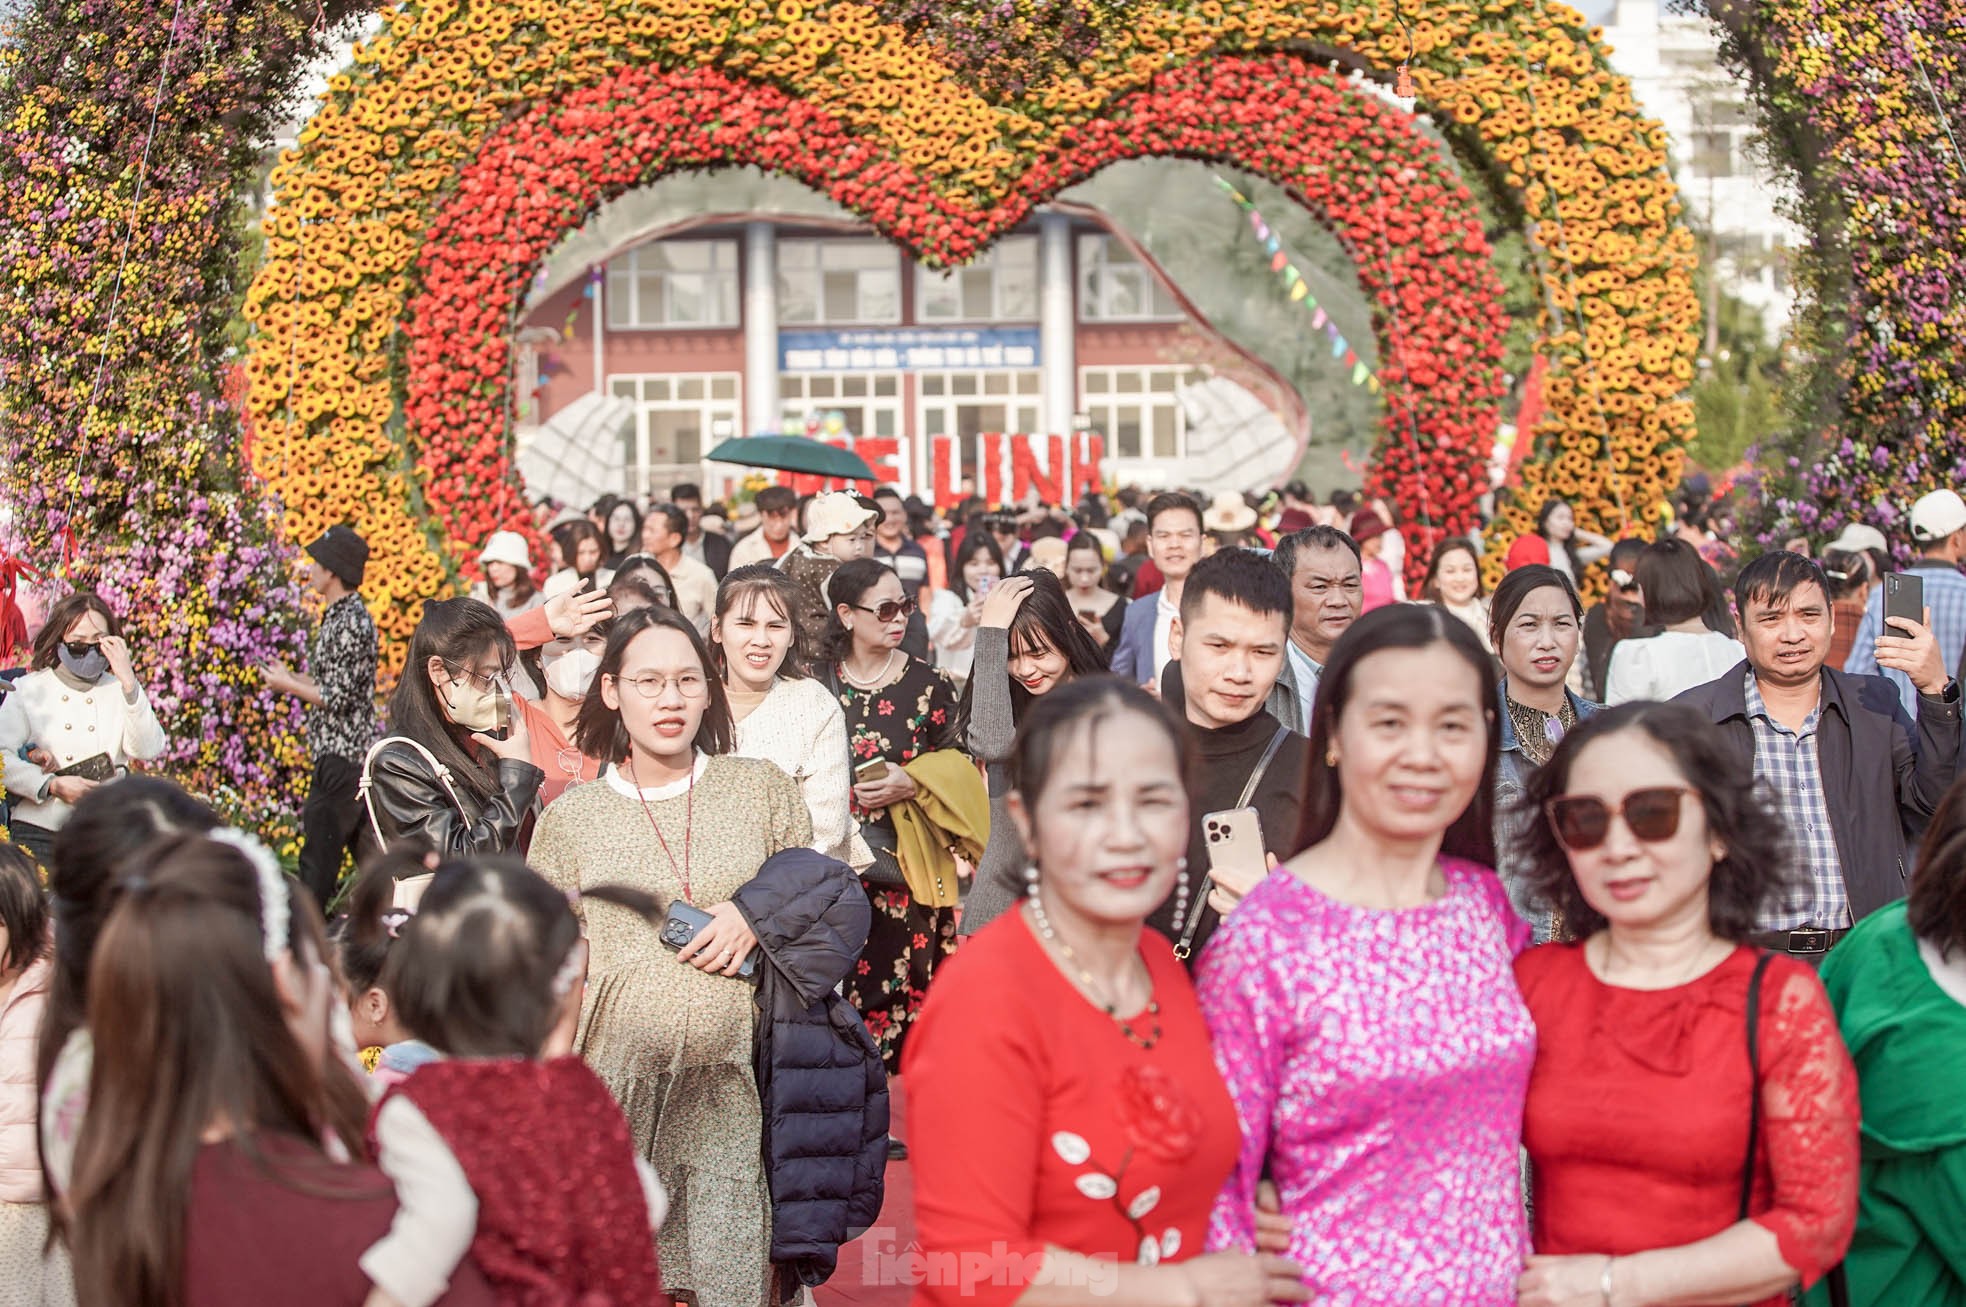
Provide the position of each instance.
(890, 610)
(1582, 822)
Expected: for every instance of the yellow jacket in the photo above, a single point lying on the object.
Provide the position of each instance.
(949, 815)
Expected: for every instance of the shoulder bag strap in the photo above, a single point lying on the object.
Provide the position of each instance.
(1186, 946)
(366, 785)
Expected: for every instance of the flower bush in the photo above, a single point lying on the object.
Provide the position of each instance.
(940, 159)
(1866, 105)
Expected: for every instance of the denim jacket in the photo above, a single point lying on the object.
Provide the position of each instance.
(1512, 772)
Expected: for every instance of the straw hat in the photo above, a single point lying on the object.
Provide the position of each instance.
(1228, 512)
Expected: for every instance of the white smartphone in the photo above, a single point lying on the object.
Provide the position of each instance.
(1237, 860)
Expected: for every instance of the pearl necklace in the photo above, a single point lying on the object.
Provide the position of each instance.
(1092, 987)
(880, 678)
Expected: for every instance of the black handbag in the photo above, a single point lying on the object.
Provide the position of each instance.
(1839, 1284)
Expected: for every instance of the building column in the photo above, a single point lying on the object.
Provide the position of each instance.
(760, 329)
(1057, 325)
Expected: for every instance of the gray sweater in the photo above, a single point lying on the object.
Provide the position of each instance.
(992, 730)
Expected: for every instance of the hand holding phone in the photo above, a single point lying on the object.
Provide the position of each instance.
(1904, 601)
(1233, 838)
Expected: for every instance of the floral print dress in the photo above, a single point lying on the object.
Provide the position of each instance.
(898, 722)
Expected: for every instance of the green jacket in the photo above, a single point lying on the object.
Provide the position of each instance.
(1908, 1039)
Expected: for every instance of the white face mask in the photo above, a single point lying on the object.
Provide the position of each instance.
(570, 674)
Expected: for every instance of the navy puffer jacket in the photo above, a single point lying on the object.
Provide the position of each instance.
(820, 1078)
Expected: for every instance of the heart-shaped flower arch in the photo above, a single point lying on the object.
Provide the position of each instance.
(1412, 227)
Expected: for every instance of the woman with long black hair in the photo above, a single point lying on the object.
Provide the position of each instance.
(898, 709)
(455, 702)
(1028, 643)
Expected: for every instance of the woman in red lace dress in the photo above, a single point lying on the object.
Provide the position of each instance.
(1648, 838)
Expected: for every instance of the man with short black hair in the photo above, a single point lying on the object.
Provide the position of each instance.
(664, 532)
(909, 561)
(1854, 775)
(706, 547)
(777, 506)
(1228, 645)
(1325, 573)
(1174, 538)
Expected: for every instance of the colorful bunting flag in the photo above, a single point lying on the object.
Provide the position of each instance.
(1298, 289)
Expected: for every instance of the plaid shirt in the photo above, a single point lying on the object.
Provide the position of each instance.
(1789, 768)
(1945, 595)
(343, 662)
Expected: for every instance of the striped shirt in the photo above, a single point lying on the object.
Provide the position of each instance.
(1788, 768)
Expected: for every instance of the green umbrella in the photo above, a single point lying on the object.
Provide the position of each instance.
(792, 454)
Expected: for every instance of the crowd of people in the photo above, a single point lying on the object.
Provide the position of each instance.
(1241, 930)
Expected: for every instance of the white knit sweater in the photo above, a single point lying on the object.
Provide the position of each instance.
(800, 727)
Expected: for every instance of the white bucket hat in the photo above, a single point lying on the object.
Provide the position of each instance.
(834, 514)
(507, 547)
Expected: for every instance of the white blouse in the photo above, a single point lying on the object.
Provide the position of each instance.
(1663, 665)
(801, 727)
(955, 644)
(72, 725)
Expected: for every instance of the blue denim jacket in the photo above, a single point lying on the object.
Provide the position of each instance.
(1512, 772)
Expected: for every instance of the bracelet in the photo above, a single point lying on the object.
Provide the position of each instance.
(1604, 1281)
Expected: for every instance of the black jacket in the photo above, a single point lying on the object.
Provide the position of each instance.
(716, 552)
(820, 1079)
(1883, 773)
(411, 803)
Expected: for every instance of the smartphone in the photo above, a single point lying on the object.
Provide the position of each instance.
(874, 769)
(682, 925)
(983, 587)
(501, 716)
(1904, 600)
(1237, 859)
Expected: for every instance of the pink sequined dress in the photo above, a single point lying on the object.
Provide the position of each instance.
(1378, 1061)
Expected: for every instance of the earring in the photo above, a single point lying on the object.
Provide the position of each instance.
(1331, 757)
(1031, 880)
(1181, 892)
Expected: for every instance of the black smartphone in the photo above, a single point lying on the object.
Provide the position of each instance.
(1904, 601)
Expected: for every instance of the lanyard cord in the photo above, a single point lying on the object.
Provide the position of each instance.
(689, 824)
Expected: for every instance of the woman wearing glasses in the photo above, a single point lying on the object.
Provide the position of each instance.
(680, 817)
(455, 699)
(897, 708)
(74, 721)
(1692, 1115)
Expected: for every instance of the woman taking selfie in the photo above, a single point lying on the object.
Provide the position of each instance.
(1535, 623)
(455, 700)
(1692, 1116)
(953, 614)
(781, 714)
(1098, 609)
(82, 707)
(897, 709)
(1028, 644)
(211, 1168)
(679, 817)
(1364, 1011)
(1071, 1128)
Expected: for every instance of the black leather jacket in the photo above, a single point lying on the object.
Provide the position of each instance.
(411, 803)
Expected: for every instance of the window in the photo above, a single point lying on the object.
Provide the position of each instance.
(1000, 286)
(674, 284)
(967, 404)
(678, 419)
(868, 402)
(1138, 410)
(1713, 154)
(1114, 286)
(838, 281)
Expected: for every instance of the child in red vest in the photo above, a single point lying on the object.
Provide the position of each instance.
(521, 1160)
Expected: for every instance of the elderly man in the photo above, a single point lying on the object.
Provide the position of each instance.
(1327, 594)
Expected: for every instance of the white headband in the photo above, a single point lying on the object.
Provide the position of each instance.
(274, 909)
